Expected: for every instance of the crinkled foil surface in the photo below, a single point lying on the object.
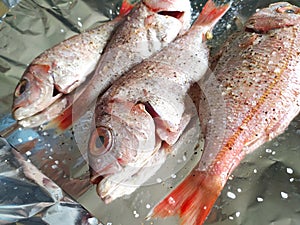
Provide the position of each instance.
(46, 180)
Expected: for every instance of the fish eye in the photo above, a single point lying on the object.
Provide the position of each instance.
(288, 10)
(101, 141)
(21, 88)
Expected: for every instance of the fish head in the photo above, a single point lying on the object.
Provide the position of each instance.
(34, 93)
(276, 16)
(177, 11)
(124, 137)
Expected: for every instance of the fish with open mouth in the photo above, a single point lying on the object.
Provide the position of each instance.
(258, 78)
(148, 28)
(61, 69)
(143, 113)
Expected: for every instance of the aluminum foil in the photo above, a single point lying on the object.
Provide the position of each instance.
(27, 196)
(264, 189)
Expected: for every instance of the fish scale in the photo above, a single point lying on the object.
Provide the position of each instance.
(144, 32)
(162, 108)
(270, 86)
(259, 81)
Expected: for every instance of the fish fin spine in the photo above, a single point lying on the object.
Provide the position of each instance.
(211, 13)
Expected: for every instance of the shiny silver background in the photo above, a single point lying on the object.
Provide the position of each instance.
(264, 189)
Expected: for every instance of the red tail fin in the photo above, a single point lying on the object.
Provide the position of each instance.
(192, 199)
(211, 14)
(126, 7)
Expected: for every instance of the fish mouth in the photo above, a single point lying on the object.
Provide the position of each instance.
(253, 30)
(95, 179)
(96, 176)
(24, 109)
(20, 113)
(28, 118)
(176, 14)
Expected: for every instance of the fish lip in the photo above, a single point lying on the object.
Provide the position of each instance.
(97, 176)
(251, 29)
(177, 14)
(20, 112)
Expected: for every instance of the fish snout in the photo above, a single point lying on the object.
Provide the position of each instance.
(98, 174)
(29, 99)
(32, 92)
(22, 88)
(21, 94)
(23, 97)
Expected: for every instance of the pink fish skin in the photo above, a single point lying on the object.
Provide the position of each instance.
(151, 26)
(60, 69)
(257, 79)
(144, 111)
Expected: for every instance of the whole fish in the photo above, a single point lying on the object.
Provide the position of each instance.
(144, 111)
(258, 79)
(61, 69)
(151, 26)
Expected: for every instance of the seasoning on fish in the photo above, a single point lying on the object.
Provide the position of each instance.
(151, 26)
(143, 112)
(258, 80)
(61, 69)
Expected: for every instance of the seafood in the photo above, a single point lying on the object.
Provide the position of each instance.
(61, 69)
(151, 26)
(258, 79)
(143, 113)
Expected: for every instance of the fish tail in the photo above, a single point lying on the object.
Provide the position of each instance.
(211, 14)
(62, 122)
(192, 200)
(126, 7)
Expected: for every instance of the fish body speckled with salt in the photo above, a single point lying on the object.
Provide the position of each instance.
(144, 113)
(147, 29)
(258, 79)
(58, 71)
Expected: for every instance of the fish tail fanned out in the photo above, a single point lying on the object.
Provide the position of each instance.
(211, 14)
(192, 200)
